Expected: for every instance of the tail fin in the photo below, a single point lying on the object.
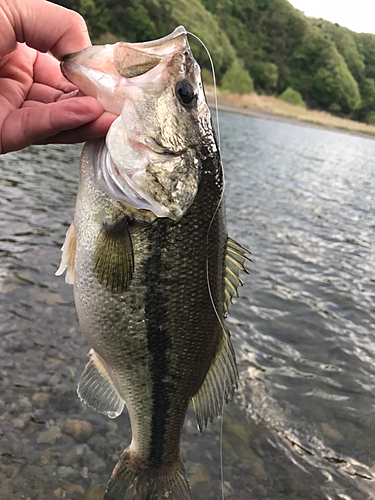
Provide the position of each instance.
(132, 480)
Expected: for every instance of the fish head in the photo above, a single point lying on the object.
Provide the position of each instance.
(154, 148)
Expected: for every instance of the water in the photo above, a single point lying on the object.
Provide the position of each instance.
(303, 330)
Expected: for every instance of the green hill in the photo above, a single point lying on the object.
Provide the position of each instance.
(331, 67)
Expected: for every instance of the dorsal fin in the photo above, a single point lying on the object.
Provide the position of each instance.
(235, 257)
(68, 255)
(219, 384)
(221, 379)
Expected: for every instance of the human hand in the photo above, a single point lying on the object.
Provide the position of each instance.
(37, 104)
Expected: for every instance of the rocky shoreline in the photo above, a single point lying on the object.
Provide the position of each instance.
(53, 446)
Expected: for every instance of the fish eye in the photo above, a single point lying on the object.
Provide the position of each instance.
(185, 93)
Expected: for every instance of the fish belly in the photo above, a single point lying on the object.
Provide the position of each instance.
(158, 337)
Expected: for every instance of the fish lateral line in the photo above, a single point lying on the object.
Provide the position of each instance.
(152, 302)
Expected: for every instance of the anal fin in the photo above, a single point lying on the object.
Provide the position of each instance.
(219, 384)
(96, 389)
(68, 255)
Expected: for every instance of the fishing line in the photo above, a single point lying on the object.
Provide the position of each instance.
(214, 78)
(221, 163)
(207, 268)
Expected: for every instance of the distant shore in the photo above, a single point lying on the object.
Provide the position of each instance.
(271, 108)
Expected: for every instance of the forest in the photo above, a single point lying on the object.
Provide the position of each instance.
(266, 45)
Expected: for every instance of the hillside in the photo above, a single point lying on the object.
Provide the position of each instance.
(331, 67)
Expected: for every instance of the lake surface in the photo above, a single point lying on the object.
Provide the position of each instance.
(303, 421)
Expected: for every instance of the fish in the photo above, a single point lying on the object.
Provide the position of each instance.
(148, 253)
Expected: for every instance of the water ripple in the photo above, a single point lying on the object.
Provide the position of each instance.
(303, 329)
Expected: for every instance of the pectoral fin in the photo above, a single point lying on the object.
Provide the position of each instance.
(219, 384)
(235, 258)
(113, 258)
(68, 255)
(96, 389)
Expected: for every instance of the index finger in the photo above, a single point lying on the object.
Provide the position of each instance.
(45, 26)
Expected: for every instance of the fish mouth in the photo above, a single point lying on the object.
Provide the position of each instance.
(104, 71)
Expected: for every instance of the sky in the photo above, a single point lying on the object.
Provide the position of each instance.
(357, 15)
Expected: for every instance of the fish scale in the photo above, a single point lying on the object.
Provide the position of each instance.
(153, 268)
(166, 329)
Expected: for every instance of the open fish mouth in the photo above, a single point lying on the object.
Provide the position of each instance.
(151, 160)
(99, 71)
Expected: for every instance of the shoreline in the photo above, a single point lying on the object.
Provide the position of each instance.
(255, 112)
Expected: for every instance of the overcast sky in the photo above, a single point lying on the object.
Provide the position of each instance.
(357, 15)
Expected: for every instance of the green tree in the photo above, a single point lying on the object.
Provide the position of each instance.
(370, 119)
(197, 19)
(333, 83)
(265, 76)
(140, 20)
(95, 13)
(292, 97)
(236, 79)
(346, 44)
(330, 66)
(368, 92)
(366, 46)
(319, 72)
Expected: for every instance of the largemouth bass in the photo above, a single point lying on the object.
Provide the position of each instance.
(153, 268)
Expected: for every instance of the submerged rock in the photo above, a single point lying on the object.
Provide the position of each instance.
(52, 363)
(93, 461)
(65, 471)
(21, 421)
(49, 456)
(69, 490)
(50, 435)
(95, 493)
(40, 399)
(237, 443)
(199, 479)
(78, 429)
